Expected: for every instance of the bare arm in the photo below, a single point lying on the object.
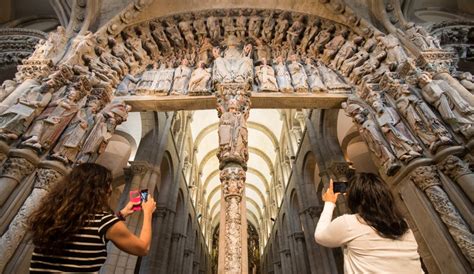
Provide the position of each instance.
(127, 241)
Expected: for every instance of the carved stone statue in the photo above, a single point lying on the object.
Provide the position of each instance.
(158, 33)
(240, 25)
(368, 67)
(298, 75)
(149, 81)
(395, 53)
(267, 27)
(228, 24)
(333, 46)
(126, 86)
(309, 33)
(420, 37)
(199, 81)
(321, 39)
(347, 51)
(134, 44)
(294, 32)
(214, 27)
(8, 86)
(401, 142)
(355, 61)
(166, 78)
(233, 135)
(421, 119)
(281, 28)
(181, 78)
(283, 76)
(199, 25)
(120, 51)
(53, 120)
(467, 81)
(148, 42)
(265, 77)
(255, 24)
(102, 70)
(106, 122)
(315, 80)
(372, 135)
(17, 118)
(235, 66)
(49, 48)
(113, 62)
(452, 107)
(187, 30)
(333, 82)
(70, 143)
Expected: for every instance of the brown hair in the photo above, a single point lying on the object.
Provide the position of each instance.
(371, 198)
(69, 204)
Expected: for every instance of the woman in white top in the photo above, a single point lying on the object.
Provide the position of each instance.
(376, 238)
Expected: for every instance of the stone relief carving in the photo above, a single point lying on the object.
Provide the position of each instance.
(315, 79)
(283, 76)
(182, 75)
(299, 79)
(265, 77)
(459, 171)
(454, 110)
(373, 136)
(427, 179)
(199, 83)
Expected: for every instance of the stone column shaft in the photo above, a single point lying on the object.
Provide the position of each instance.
(233, 105)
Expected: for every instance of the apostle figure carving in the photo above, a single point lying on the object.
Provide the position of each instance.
(120, 51)
(333, 82)
(333, 46)
(452, 107)
(214, 27)
(8, 86)
(294, 32)
(467, 81)
(126, 86)
(240, 25)
(268, 25)
(199, 81)
(309, 33)
(283, 76)
(404, 146)
(420, 37)
(165, 78)
(315, 80)
(70, 143)
(54, 119)
(255, 24)
(347, 50)
(181, 78)
(148, 81)
(233, 135)
(158, 33)
(298, 75)
(265, 77)
(17, 118)
(421, 119)
(372, 135)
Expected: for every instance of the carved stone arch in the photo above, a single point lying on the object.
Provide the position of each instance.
(309, 168)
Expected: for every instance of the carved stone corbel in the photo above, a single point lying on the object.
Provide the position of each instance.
(427, 179)
(20, 164)
(459, 171)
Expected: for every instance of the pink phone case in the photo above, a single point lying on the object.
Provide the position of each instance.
(135, 198)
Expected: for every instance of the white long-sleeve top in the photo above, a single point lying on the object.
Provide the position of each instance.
(365, 251)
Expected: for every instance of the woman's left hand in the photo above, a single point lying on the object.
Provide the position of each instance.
(127, 210)
(329, 195)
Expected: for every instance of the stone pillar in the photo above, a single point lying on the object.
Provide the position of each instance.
(233, 105)
(48, 174)
(427, 179)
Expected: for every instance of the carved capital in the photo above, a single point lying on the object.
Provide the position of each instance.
(49, 173)
(425, 177)
(341, 171)
(21, 163)
(233, 180)
(139, 167)
(454, 167)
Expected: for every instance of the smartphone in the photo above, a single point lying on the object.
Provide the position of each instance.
(143, 195)
(135, 197)
(339, 187)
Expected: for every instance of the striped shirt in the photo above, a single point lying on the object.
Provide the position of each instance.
(85, 252)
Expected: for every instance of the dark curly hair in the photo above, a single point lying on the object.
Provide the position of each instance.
(69, 204)
(371, 198)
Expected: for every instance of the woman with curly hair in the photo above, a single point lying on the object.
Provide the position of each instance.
(72, 225)
(376, 238)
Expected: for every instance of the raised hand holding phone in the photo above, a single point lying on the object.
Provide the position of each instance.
(135, 199)
(329, 195)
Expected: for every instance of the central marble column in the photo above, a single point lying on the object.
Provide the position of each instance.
(233, 105)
